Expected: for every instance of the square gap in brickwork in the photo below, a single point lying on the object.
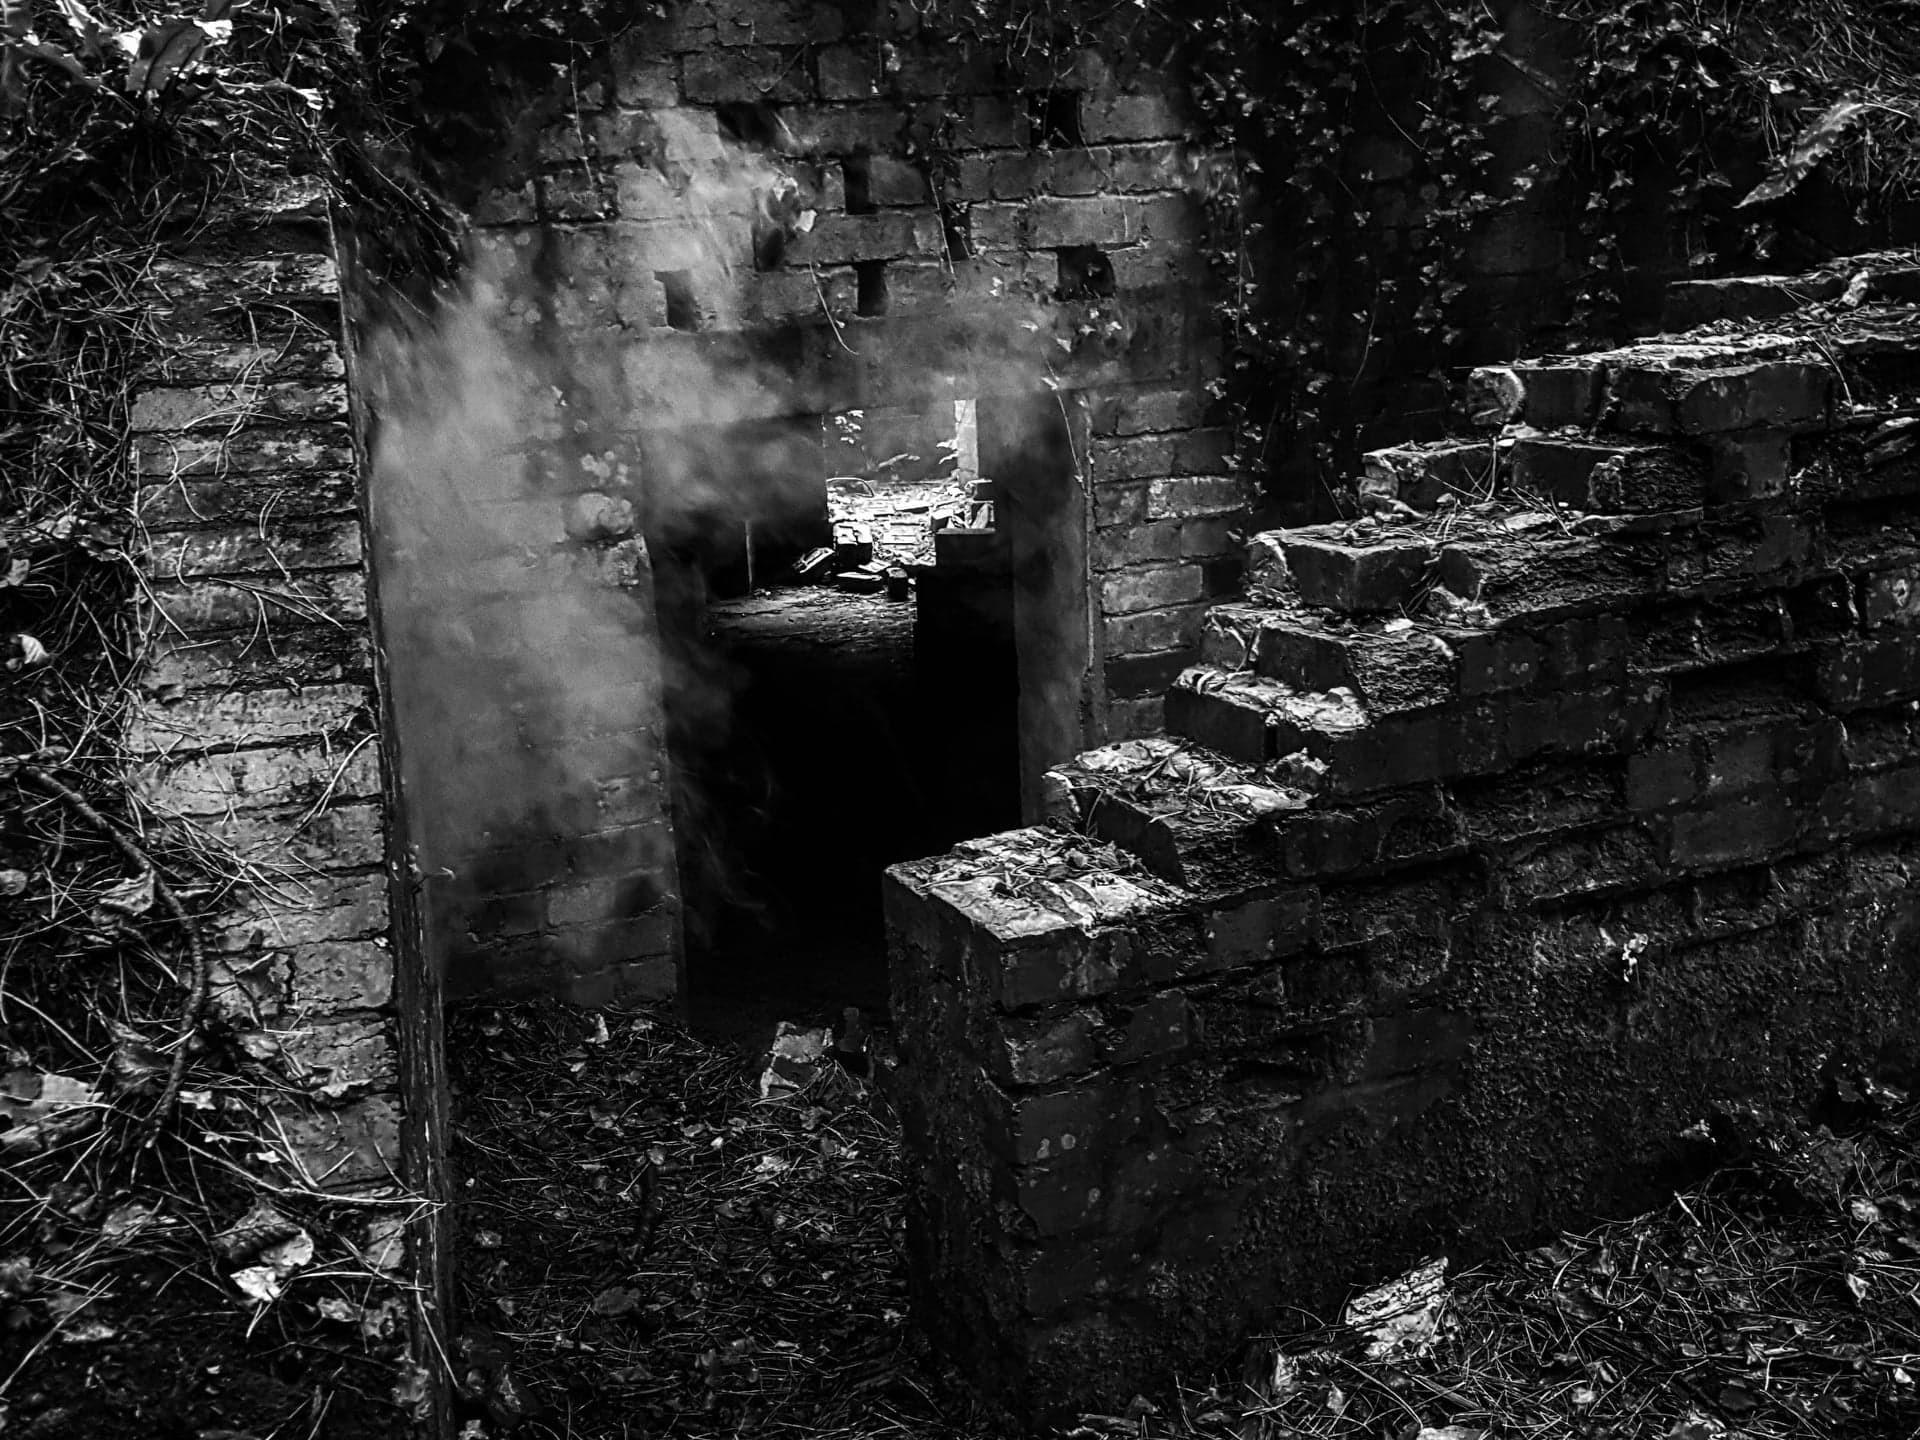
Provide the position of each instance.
(1083, 273)
(956, 231)
(769, 243)
(683, 308)
(857, 172)
(871, 298)
(754, 123)
(1053, 119)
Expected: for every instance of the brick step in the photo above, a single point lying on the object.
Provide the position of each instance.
(1889, 276)
(1254, 719)
(1194, 817)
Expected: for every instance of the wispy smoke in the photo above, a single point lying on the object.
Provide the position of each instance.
(524, 443)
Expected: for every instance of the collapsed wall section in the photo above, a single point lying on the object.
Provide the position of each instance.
(1507, 831)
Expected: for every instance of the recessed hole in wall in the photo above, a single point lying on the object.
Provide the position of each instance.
(683, 312)
(858, 173)
(1053, 118)
(751, 122)
(956, 228)
(872, 297)
(1085, 273)
(769, 243)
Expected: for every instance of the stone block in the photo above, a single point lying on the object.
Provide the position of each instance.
(1185, 497)
(1033, 1128)
(231, 405)
(1871, 672)
(239, 718)
(1130, 117)
(1055, 223)
(1750, 465)
(1250, 931)
(215, 783)
(1739, 833)
(277, 450)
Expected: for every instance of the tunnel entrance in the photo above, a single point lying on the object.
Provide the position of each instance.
(842, 696)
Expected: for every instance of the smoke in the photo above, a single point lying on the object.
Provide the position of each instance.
(555, 467)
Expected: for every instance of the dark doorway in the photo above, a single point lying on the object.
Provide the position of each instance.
(842, 697)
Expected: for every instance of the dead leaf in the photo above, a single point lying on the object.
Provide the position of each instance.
(616, 1300)
(260, 1227)
(259, 1283)
(125, 1221)
(43, 1109)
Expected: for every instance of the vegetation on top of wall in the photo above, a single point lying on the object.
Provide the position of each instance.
(1369, 142)
(135, 1124)
(1703, 118)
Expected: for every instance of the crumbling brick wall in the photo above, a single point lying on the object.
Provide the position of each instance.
(746, 219)
(1501, 835)
(254, 722)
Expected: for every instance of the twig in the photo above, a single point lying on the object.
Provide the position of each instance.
(198, 990)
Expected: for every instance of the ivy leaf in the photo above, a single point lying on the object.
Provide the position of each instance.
(1812, 146)
(164, 50)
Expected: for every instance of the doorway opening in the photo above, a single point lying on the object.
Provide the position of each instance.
(842, 694)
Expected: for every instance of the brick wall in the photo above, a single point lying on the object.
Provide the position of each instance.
(745, 219)
(1499, 838)
(943, 225)
(254, 720)
(516, 604)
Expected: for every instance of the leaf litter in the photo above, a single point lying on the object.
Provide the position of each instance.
(651, 1246)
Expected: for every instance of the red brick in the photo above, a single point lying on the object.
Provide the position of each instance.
(1041, 1051)
(1607, 477)
(750, 74)
(1151, 587)
(1355, 577)
(1250, 932)
(1130, 117)
(1685, 401)
(1871, 672)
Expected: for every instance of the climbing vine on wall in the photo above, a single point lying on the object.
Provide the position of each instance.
(1691, 125)
(1367, 145)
